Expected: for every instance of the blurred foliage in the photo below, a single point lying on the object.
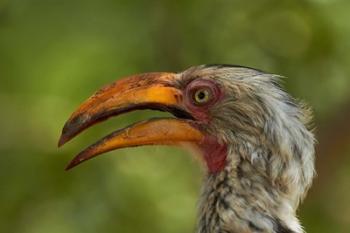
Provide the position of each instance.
(55, 53)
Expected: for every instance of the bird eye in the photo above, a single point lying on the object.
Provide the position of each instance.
(202, 96)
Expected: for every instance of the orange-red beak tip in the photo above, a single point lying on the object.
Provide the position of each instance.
(83, 156)
(62, 141)
(73, 163)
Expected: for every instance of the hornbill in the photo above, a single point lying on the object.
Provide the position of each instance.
(254, 138)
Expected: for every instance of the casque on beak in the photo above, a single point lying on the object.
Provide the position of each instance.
(144, 91)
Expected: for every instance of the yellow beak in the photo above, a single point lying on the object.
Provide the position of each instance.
(144, 91)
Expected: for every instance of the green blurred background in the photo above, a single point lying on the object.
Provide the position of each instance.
(54, 54)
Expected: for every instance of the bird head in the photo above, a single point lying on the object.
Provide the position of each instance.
(239, 119)
(203, 99)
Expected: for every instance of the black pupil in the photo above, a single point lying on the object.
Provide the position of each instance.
(201, 95)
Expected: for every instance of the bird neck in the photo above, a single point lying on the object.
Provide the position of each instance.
(240, 198)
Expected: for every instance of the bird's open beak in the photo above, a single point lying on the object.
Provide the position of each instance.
(145, 91)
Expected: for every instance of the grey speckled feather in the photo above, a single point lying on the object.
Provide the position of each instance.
(270, 163)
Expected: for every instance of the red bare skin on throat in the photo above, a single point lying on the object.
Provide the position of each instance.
(213, 153)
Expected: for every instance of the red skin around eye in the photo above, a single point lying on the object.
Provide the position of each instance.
(201, 112)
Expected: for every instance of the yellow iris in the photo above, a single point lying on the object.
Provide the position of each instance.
(201, 96)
